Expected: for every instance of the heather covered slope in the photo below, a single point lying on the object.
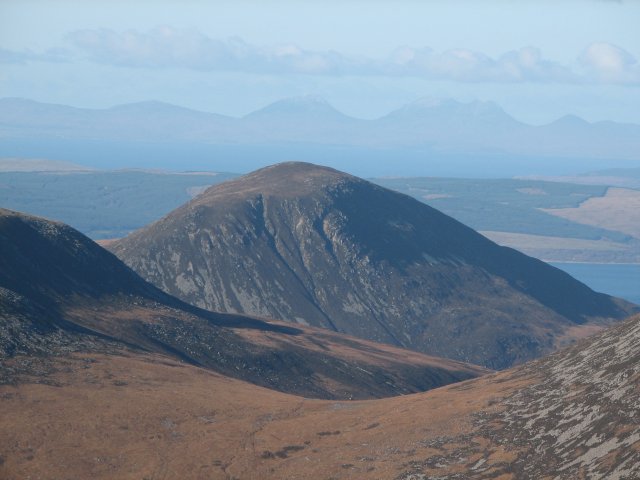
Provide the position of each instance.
(310, 244)
(569, 416)
(62, 293)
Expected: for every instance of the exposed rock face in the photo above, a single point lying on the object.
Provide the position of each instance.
(61, 293)
(577, 416)
(312, 245)
(582, 418)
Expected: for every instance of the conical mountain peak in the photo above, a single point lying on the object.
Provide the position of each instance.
(302, 105)
(570, 121)
(311, 244)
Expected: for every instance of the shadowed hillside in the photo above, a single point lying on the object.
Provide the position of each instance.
(62, 293)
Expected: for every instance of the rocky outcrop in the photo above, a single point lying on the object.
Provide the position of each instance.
(573, 414)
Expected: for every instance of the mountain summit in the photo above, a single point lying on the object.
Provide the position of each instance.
(313, 245)
(449, 109)
(304, 105)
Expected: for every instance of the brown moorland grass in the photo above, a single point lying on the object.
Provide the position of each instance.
(134, 417)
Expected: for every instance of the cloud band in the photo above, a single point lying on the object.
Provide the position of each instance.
(167, 47)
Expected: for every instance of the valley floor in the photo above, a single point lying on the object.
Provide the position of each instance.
(139, 417)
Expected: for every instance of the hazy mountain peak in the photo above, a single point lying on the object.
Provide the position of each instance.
(448, 108)
(432, 102)
(307, 100)
(306, 104)
(486, 107)
(570, 120)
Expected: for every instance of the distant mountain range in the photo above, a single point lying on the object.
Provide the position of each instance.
(307, 128)
(312, 245)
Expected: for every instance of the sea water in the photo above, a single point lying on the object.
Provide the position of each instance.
(619, 280)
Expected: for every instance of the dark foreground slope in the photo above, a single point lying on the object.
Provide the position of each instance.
(310, 244)
(62, 293)
(572, 415)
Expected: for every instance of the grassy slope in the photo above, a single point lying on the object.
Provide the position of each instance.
(134, 417)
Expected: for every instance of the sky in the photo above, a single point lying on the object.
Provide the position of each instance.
(539, 60)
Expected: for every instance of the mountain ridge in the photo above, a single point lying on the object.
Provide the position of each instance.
(473, 137)
(313, 100)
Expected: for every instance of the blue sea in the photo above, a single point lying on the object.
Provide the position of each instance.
(619, 280)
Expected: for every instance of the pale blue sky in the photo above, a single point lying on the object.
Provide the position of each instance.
(538, 59)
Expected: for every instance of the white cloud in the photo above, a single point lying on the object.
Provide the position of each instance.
(167, 47)
(610, 64)
(465, 65)
(162, 47)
